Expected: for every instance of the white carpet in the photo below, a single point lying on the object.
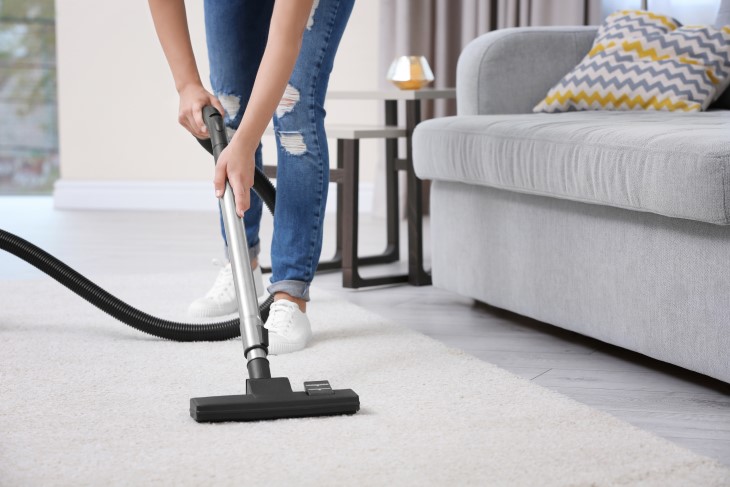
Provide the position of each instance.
(85, 400)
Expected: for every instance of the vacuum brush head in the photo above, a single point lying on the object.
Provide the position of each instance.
(275, 399)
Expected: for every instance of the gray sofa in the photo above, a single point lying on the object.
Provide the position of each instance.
(615, 225)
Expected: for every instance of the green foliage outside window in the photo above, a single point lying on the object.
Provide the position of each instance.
(28, 108)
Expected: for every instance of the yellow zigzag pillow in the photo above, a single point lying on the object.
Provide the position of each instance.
(645, 61)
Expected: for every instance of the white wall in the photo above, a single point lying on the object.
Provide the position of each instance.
(118, 107)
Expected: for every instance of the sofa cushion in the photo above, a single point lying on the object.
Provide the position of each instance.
(673, 164)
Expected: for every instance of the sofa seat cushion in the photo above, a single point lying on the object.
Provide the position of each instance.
(673, 164)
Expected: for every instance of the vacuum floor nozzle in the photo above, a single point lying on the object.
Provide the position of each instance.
(274, 399)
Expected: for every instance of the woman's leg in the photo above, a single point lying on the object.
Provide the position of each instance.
(236, 33)
(303, 158)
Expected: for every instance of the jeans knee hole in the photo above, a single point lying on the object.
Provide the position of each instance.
(310, 21)
(231, 105)
(288, 101)
(293, 143)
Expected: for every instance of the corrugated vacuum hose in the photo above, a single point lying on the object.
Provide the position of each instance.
(105, 301)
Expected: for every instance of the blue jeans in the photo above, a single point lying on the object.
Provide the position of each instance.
(236, 33)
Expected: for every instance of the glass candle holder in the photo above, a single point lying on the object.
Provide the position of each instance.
(410, 72)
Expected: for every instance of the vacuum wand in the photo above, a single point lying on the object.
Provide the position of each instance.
(252, 330)
(266, 397)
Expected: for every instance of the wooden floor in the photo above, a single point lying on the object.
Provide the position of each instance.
(686, 408)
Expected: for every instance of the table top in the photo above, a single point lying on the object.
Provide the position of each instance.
(393, 94)
(357, 131)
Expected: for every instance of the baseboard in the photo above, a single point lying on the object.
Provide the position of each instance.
(161, 196)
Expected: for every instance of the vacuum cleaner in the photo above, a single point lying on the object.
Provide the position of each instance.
(266, 397)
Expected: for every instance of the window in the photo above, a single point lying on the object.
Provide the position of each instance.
(28, 122)
(686, 11)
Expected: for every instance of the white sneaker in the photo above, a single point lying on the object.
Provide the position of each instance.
(289, 328)
(221, 299)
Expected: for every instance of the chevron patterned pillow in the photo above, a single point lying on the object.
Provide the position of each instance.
(645, 61)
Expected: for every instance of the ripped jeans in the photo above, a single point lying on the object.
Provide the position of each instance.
(236, 33)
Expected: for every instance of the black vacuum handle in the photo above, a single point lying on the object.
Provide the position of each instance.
(219, 138)
(216, 129)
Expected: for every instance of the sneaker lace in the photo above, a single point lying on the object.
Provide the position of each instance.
(281, 316)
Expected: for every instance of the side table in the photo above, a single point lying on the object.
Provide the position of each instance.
(417, 275)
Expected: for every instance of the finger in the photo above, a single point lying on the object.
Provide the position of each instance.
(186, 125)
(194, 127)
(248, 179)
(217, 104)
(241, 194)
(219, 180)
(198, 117)
(184, 120)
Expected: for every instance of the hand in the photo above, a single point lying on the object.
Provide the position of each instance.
(236, 163)
(192, 100)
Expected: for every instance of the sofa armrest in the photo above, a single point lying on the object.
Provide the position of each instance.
(511, 70)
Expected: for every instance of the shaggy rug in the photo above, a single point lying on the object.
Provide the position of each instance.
(85, 400)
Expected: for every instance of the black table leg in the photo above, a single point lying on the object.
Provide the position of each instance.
(417, 274)
(350, 151)
(391, 185)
